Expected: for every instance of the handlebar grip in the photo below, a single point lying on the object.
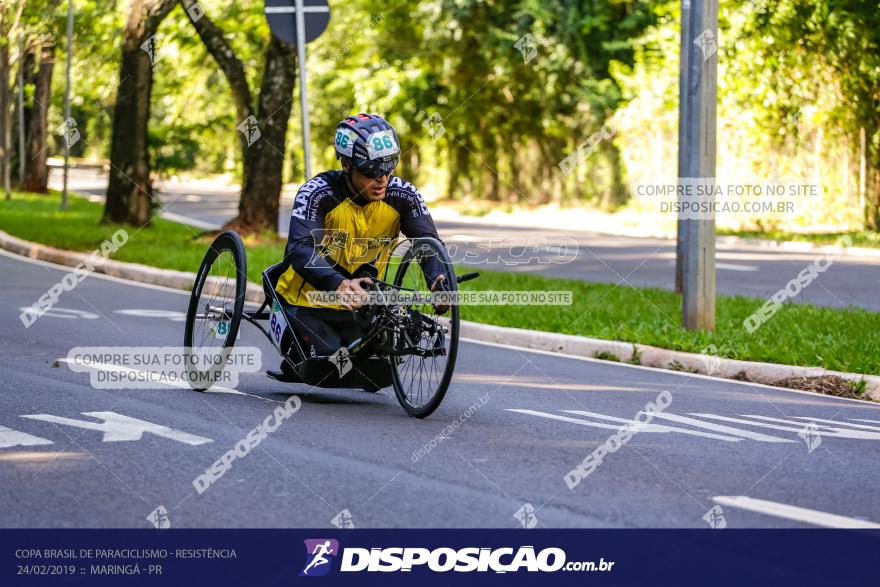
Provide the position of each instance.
(466, 277)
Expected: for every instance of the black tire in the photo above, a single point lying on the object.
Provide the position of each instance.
(215, 309)
(418, 388)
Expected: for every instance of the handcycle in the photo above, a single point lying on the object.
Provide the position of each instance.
(406, 344)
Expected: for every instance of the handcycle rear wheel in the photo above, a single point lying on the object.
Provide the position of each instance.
(421, 379)
(215, 308)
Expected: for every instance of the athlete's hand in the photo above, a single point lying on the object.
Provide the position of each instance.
(353, 293)
(440, 285)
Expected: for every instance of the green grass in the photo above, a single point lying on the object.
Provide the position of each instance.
(799, 334)
(861, 238)
(164, 244)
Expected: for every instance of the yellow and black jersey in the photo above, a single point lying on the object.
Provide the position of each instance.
(332, 235)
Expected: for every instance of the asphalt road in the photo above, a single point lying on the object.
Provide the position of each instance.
(628, 261)
(524, 420)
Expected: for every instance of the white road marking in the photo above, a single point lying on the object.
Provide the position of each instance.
(58, 312)
(719, 431)
(119, 428)
(827, 431)
(572, 420)
(861, 426)
(521, 349)
(195, 223)
(463, 237)
(638, 427)
(863, 420)
(732, 266)
(171, 315)
(791, 512)
(657, 371)
(721, 428)
(655, 427)
(735, 267)
(10, 438)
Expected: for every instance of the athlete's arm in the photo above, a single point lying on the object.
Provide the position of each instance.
(416, 221)
(306, 223)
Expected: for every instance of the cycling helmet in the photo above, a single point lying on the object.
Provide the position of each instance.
(369, 143)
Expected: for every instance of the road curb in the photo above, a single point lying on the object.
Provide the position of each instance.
(581, 346)
(651, 356)
(134, 271)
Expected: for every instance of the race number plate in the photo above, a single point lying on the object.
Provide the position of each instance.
(221, 329)
(277, 323)
(381, 144)
(345, 141)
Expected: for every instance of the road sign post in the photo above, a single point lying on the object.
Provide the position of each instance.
(697, 162)
(683, 54)
(67, 103)
(300, 22)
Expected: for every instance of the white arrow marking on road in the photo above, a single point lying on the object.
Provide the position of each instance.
(791, 512)
(721, 428)
(10, 438)
(799, 426)
(119, 428)
(637, 427)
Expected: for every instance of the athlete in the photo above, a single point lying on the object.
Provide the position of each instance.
(342, 229)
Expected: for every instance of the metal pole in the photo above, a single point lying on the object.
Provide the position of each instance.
(698, 153)
(20, 110)
(67, 101)
(303, 91)
(683, 54)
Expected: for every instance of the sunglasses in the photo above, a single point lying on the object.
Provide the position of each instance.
(377, 169)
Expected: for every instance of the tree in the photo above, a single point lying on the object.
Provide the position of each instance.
(264, 129)
(9, 26)
(36, 169)
(130, 191)
(838, 36)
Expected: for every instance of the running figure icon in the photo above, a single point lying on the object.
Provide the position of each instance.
(319, 551)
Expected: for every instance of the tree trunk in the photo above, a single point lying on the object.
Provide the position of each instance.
(36, 170)
(264, 158)
(413, 170)
(27, 64)
(5, 160)
(458, 170)
(491, 170)
(616, 194)
(130, 190)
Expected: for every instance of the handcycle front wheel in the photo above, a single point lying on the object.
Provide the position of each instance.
(215, 308)
(421, 378)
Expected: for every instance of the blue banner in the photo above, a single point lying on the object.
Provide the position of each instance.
(465, 557)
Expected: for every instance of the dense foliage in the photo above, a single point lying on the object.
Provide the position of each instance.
(491, 96)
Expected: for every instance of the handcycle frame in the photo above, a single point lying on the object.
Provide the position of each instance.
(392, 330)
(365, 353)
